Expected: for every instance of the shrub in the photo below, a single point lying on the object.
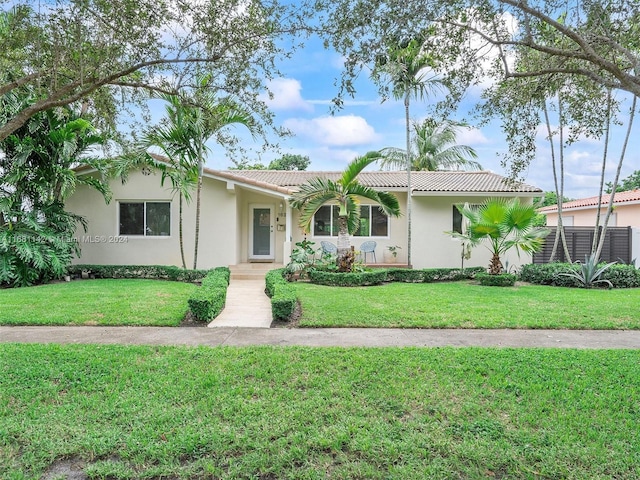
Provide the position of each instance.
(157, 272)
(620, 276)
(284, 301)
(208, 300)
(272, 278)
(501, 280)
(406, 275)
(282, 293)
(337, 279)
(450, 274)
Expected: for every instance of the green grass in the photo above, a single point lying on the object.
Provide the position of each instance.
(97, 302)
(303, 413)
(468, 305)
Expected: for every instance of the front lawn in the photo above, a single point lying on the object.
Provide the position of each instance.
(97, 302)
(264, 412)
(468, 305)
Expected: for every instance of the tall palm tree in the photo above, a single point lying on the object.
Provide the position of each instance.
(434, 148)
(192, 121)
(504, 224)
(406, 64)
(168, 137)
(346, 193)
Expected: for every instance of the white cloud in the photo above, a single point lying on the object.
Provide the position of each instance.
(338, 131)
(286, 95)
(471, 136)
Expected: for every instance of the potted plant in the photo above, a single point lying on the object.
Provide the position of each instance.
(391, 254)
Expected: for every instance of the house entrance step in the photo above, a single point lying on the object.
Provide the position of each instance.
(251, 271)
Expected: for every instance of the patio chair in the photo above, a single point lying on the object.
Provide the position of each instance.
(328, 247)
(368, 247)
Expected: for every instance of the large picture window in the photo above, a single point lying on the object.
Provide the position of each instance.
(373, 223)
(149, 219)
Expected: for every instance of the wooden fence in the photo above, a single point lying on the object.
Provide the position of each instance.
(617, 245)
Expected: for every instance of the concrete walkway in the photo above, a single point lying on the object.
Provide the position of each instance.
(246, 306)
(325, 337)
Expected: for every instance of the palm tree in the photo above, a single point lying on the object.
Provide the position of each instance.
(406, 64)
(191, 123)
(434, 148)
(505, 224)
(181, 171)
(346, 193)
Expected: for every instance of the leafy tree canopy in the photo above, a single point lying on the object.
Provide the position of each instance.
(290, 161)
(632, 182)
(97, 52)
(527, 52)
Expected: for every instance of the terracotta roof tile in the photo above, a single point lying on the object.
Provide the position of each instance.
(618, 198)
(452, 182)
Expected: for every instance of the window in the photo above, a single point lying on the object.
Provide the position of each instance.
(373, 223)
(149, 219)
(457, 217)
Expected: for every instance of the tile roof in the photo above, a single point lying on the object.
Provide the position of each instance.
(449, 182)
(618, 198)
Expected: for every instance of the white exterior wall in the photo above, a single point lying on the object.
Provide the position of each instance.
(101, 244)
(432, 248)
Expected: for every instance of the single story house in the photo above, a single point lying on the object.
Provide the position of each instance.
(582, 212)
(246, 217)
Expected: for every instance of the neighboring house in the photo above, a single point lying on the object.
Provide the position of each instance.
(246, 217)
(582, 212)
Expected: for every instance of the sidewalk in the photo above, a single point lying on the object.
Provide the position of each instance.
(325, 337)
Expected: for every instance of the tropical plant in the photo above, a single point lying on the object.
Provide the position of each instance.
(301, 260)
(393, 250)
(346, 192)
(406, 65)
(192, 121)
(434, 148)
(590, 271)
(504, 224)
(37, 174)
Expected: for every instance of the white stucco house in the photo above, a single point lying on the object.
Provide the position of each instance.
(246, 217)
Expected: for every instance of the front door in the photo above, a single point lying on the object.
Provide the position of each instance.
(261, 234)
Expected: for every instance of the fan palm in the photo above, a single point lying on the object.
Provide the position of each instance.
(504, 224)
(346, 193)
(434, 148)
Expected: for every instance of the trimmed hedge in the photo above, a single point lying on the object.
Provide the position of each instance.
(620, 275)
(283, 295)
(156, 272)
(429, 275)
(502, 280)
(208, 300)
(375, 277)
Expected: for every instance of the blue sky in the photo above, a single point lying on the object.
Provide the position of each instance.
(302, 102)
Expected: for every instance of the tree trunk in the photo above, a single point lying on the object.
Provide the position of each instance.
(184, 264)
(346, 257)
(495, 267)
(617, 177)
(607, 136)
(197, 233)
(408, 139)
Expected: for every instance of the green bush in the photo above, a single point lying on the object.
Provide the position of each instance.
(406, 275)
(283, 294)
(208, 300)
(284, 301)
(450, 274)
(157, 272)
(374, 277)
(501, 280)
(272, 278)
(620, 276)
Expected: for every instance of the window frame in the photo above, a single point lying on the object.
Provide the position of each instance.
(144, 216)
(332, 220)
(455, 212)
